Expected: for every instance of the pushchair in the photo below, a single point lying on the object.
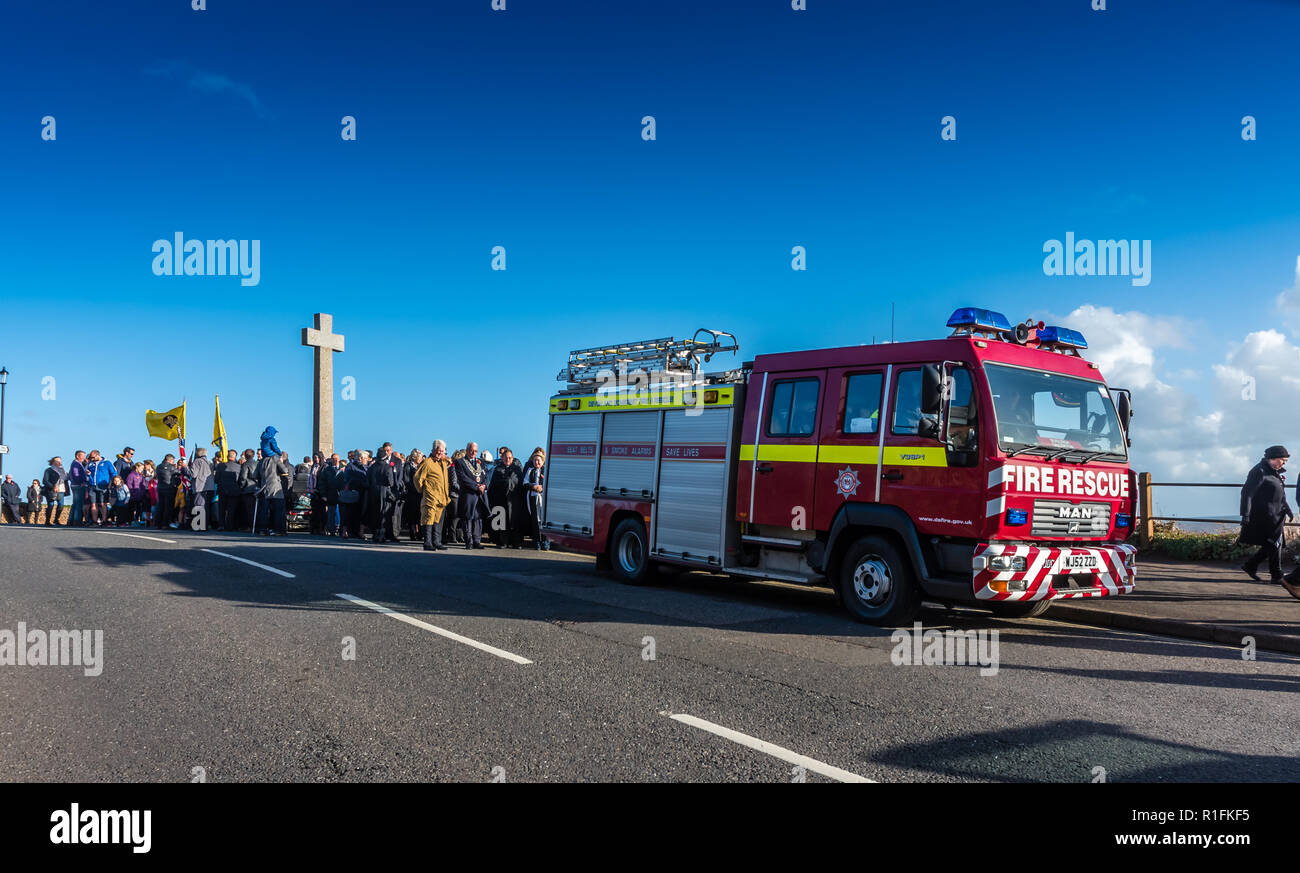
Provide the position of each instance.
(298, 516)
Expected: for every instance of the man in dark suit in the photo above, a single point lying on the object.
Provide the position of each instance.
(472, 481)
(384, 478)
(227, 476)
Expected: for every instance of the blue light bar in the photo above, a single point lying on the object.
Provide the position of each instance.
(969, 316)
(1017, 516)
(1062, 336)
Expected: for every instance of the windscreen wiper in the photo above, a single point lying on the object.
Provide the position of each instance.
(1023, 449)
(1094, 455)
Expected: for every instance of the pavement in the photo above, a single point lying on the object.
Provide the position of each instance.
(1200, 601)
(233, 659)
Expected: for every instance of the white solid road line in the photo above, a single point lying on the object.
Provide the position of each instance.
(500, 653)
(113, 533)
(250, 563)
(770, 749)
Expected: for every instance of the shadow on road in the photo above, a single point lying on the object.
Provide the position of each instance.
(1083, 746)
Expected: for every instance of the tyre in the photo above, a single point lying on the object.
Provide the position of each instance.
(1020, 609)
(876, 584)
(629, 552)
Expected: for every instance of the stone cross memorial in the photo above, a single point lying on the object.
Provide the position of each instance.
(326, 342)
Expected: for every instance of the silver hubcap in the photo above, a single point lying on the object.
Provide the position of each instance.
(871, 580)
(629, 554)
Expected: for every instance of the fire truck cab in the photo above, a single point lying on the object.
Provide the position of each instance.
(989, 467)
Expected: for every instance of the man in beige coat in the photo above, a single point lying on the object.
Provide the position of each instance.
(431, 481)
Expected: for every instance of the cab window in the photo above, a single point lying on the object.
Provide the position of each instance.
(908, 419)
(862, 404)
(794, 408)
(963, 429)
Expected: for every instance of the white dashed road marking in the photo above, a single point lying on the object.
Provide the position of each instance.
(113, 533)
(769, 749)
(250, 563)
(500, 653)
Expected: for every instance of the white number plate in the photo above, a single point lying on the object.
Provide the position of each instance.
(1075, 563)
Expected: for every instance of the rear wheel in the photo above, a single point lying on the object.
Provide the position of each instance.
(629, 552)
(876, 585)
(1020, 608)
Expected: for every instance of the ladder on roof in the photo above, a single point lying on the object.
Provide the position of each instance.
(652, 355)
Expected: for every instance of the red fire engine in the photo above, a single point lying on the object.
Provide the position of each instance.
(987, 468)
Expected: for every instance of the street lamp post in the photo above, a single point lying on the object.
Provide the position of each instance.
(4, 379)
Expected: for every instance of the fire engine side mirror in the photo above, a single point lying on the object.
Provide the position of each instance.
(1125, 414)
(931, 389)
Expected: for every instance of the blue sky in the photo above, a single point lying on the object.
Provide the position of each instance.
(521, 128)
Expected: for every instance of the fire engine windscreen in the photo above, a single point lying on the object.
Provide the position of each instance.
(1050, 414)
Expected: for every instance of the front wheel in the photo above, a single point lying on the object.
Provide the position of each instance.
(875, 583)
(1020, 608)
(629, 552)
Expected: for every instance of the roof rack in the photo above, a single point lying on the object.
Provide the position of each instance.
(665, 354)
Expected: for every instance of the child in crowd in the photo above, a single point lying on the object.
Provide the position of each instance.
(151, 492)
(118, 515)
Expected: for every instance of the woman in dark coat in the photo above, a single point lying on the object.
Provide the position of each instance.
(411, 504)
(509, 501)
(1264, 511)
(353, 481)
(451, 526)
(534, 491)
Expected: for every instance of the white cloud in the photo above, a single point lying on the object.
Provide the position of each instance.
(1209, 429)
(1288, 302)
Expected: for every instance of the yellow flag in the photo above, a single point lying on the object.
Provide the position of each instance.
(219, 433)
(168, 425)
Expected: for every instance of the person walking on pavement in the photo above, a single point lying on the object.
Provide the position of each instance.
(1264, 512)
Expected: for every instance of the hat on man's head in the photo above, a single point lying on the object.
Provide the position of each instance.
(1276, 452)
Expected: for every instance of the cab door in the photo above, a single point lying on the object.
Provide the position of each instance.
(848, 458)
(784, 459)
(941, 490)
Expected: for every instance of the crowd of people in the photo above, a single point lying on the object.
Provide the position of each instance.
(381, 496)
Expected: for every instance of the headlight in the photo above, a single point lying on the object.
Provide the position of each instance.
(1003, 563)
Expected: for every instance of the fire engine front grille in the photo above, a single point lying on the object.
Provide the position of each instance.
(1057, 518)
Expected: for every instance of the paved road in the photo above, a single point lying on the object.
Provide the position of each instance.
(215, 663)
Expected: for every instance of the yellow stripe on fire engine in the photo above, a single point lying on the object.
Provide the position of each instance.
(898, 456)
(910, 456)
(848, 454)
(775, 452)
(633, 400)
